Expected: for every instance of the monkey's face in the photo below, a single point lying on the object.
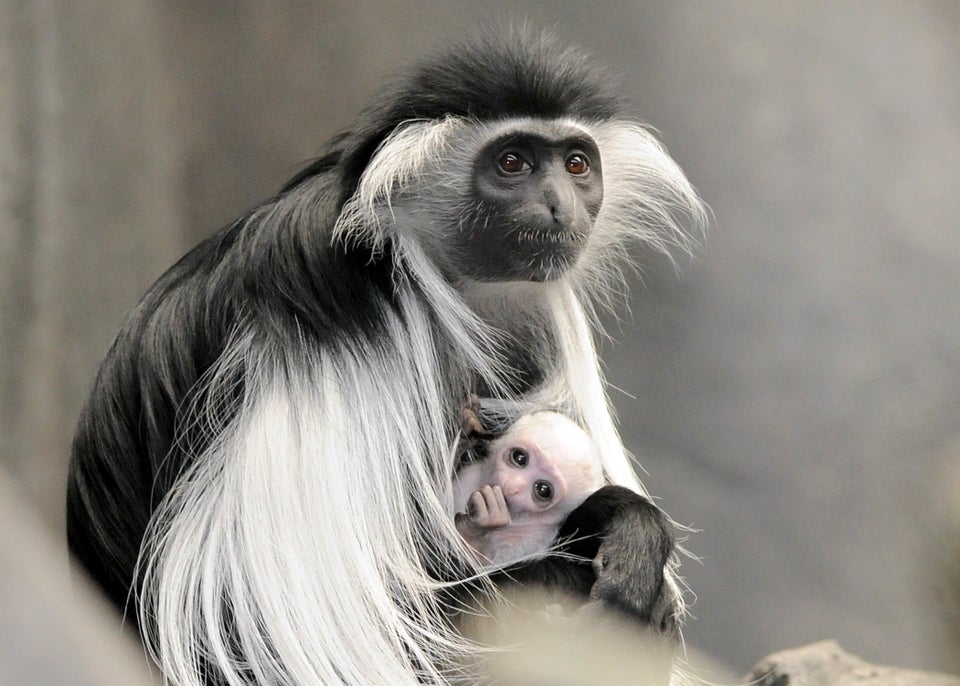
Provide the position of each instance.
(532, 480)
(536, 191)
(545, 465)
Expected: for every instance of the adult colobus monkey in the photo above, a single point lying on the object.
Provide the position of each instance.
(262, 473)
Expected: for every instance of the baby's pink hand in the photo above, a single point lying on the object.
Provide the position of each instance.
(487, 508)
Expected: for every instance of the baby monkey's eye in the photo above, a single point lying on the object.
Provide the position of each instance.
(543, 490)
(519, 457)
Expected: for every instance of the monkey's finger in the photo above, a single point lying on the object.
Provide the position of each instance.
(496, 514)
(470, 422)
(490, 503)
(499, 512)
(490, 497)
(500, 500)
(477, 506)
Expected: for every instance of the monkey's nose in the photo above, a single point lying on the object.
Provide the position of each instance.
(559, 198)
(559, 213)
(512, 487)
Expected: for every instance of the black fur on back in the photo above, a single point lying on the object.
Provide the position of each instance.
(136, 433)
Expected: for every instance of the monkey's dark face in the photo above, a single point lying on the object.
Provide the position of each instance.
(536, 193)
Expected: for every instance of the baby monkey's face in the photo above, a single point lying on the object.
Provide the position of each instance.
(531, 479)
(542, 460)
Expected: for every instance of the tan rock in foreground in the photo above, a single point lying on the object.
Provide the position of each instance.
(827, 664)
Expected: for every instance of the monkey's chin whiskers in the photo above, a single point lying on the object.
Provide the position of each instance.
(542, 237)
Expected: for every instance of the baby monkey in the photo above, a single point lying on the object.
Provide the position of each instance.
(512, 492)
(537, 486)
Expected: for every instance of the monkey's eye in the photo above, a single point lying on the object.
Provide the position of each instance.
(577, 164)
(519, 457)
(543, 490)
(511, 163)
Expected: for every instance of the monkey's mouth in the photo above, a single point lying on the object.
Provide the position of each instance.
(551, 260)
(540, 254)
(548, 238)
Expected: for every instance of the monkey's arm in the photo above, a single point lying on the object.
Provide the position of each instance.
(636, 540)
(620, 543)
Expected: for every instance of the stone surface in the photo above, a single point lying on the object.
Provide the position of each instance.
(827, 664)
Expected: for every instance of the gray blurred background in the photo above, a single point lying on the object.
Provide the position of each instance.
(794, 393)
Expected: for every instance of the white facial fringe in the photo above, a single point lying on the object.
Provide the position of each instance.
(291, 551)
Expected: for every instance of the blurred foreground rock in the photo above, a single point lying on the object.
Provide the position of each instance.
(54, 631)
(827, 664)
